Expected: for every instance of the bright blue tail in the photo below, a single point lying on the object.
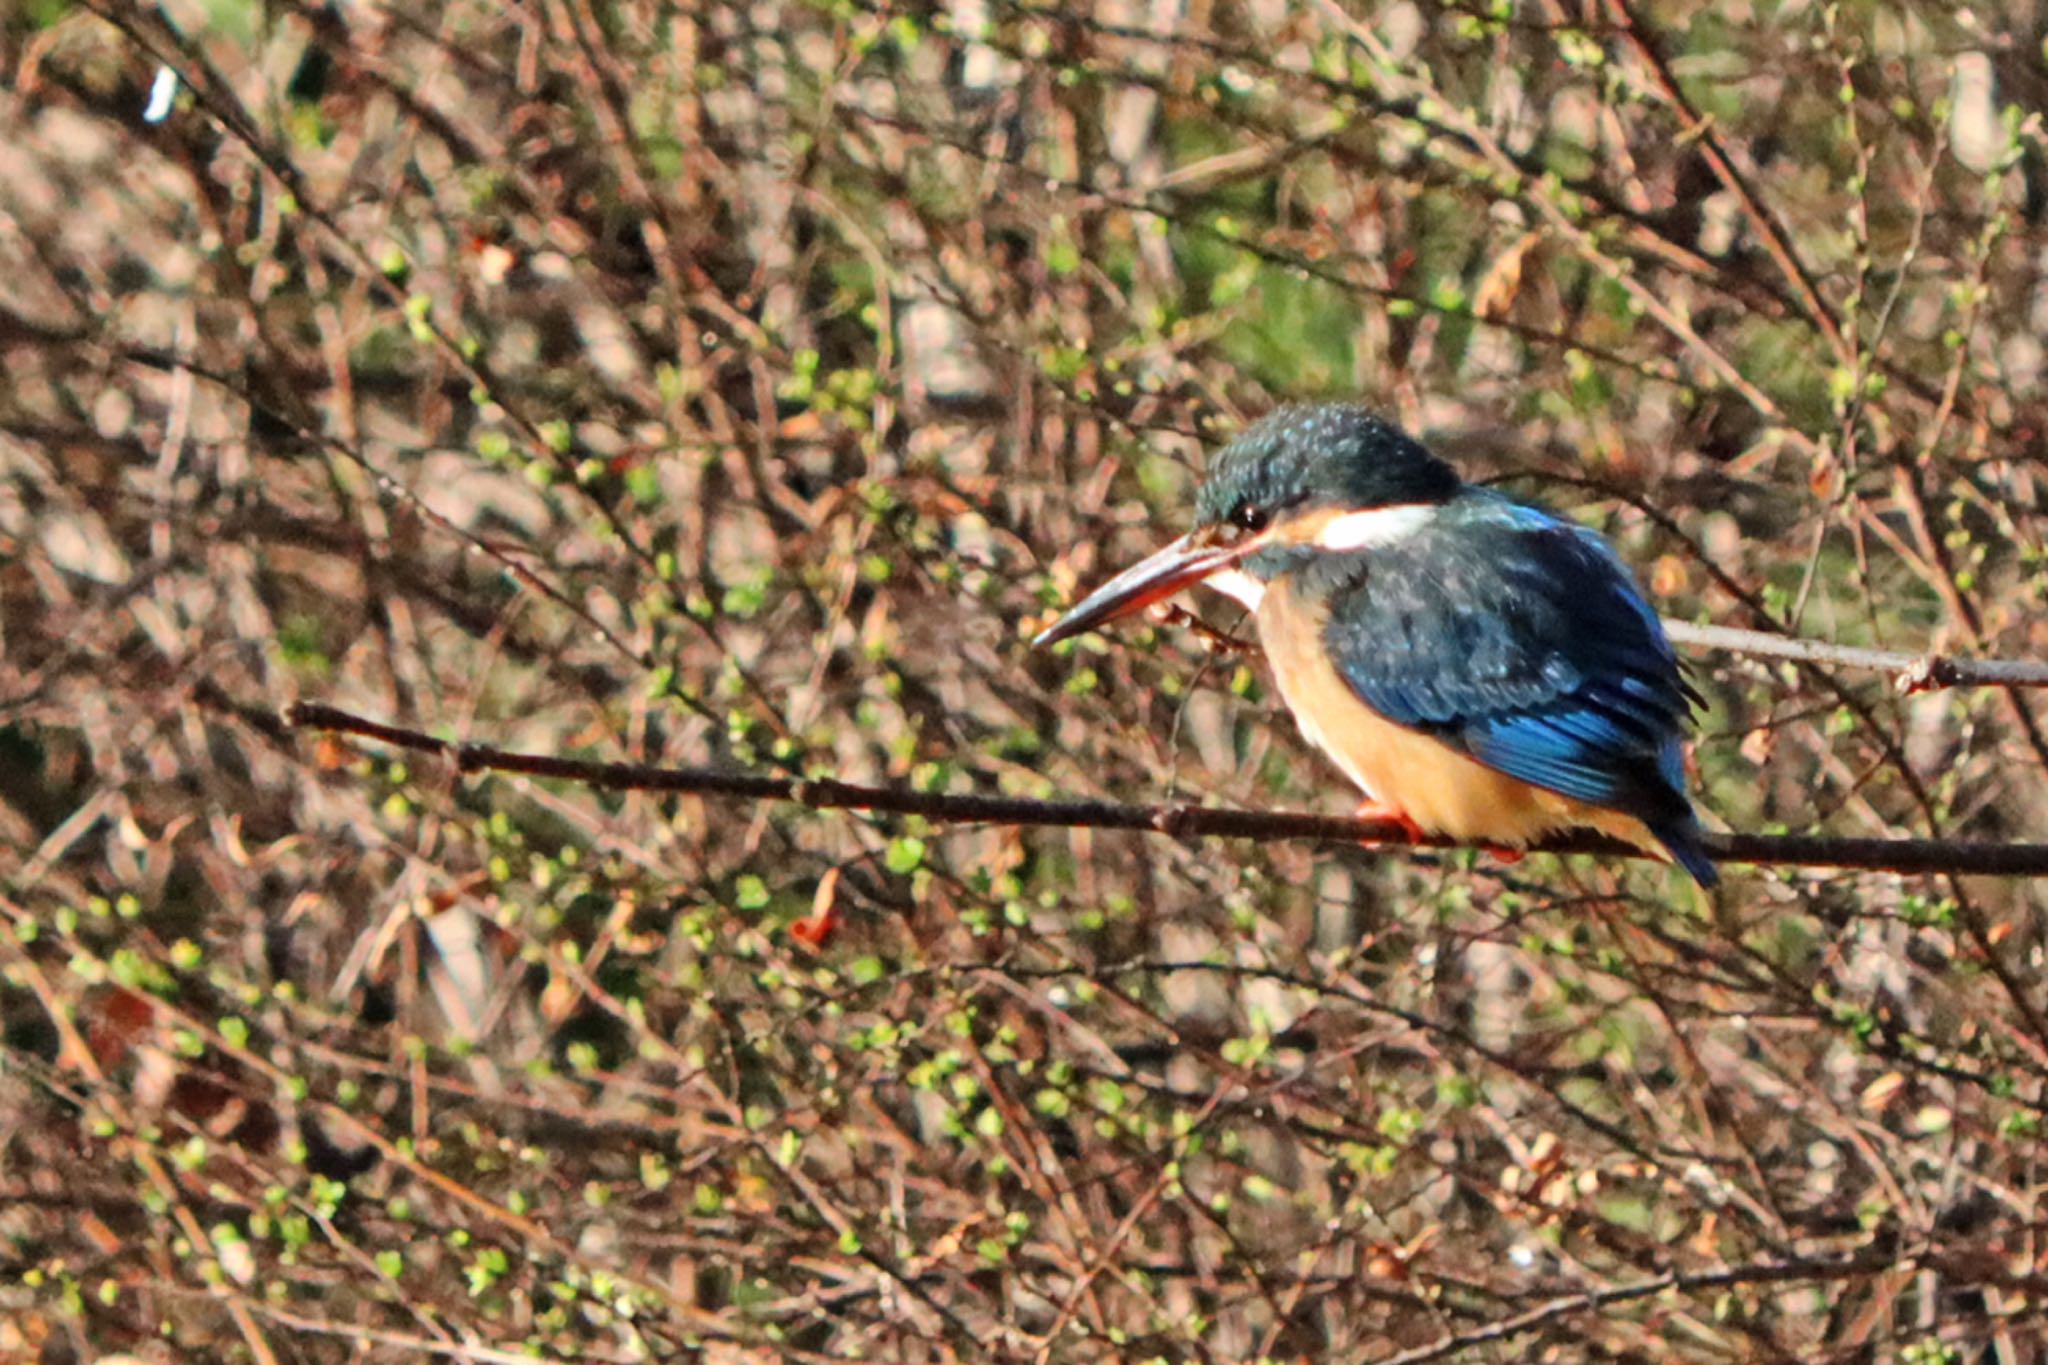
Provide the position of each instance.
(1682, 840)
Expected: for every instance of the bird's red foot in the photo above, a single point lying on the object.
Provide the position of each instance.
(1380, 810)
(1505, 855)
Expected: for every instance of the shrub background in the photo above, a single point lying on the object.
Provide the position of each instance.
(740, 385)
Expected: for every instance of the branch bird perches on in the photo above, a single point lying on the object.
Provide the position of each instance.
(1903, 856)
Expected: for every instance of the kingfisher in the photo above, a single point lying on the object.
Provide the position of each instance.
(1479, 667)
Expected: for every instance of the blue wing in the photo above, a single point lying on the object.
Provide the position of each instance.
(1521, 640)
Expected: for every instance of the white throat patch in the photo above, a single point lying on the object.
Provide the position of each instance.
(1374, 528)
(1236, 583)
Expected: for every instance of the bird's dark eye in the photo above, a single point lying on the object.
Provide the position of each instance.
(1248, 517)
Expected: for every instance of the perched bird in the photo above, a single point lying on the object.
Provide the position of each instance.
(1482, 669)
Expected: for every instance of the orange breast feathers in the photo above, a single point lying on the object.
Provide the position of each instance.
(1442, 790)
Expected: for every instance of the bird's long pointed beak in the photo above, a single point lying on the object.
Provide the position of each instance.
(1156, 577)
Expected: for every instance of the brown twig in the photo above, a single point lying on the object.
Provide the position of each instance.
(1904, 856)
(1396, 75)
(1700, 132)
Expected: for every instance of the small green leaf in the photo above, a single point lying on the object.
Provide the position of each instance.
(905, 856)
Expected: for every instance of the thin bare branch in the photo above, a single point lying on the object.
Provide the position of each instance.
(1911, 672)
(1905, 856)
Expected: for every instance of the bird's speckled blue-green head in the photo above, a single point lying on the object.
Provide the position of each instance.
(1298, 485)
(1335, 456)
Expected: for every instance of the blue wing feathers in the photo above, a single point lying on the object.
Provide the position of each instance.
(1522, 640)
